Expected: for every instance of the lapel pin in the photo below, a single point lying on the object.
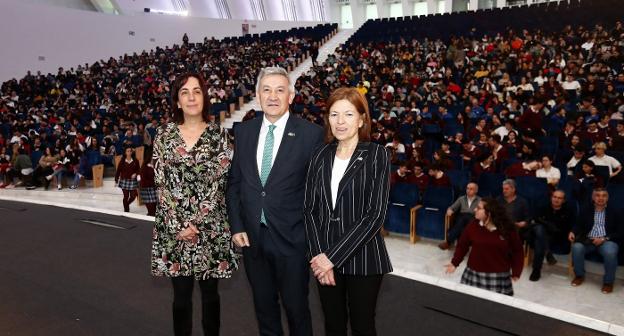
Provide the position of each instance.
(360, 158)
(291, 134)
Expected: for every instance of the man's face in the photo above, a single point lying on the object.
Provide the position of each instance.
(600, 198)
(508, 190)
(471, 190)
(557, 199)
(275, 96)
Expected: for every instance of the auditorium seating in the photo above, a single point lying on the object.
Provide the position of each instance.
(430, 219)
(403, 203)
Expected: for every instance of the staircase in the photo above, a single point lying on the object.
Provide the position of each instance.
(328, 48)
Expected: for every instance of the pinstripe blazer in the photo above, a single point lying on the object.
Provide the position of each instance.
(349, 234)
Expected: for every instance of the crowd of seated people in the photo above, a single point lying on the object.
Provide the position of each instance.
(92, 112)
(538, 104)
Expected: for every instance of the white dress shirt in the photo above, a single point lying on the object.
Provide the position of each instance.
(278, 133)
(338, 170)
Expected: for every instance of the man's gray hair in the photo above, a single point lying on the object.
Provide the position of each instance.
(510, 183)
(274, 71)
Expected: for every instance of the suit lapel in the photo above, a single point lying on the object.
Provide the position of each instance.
(355, 164)
(328, 166)
(253, 147)
(286, 145)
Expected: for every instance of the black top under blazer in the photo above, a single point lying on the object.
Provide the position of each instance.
(349, 234)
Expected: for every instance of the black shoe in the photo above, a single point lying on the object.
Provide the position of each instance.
(535, 275)
(550, 259)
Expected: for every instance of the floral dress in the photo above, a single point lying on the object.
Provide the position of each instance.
(191, 190)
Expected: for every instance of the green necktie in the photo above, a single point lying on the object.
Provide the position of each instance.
(267, 158)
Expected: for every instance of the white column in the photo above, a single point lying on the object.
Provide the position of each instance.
(358, 12)
(408, 8)
(448, 6)
(432, 6)
(474, 5)
(383, 9)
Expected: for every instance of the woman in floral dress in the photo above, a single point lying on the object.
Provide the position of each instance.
(191, 238)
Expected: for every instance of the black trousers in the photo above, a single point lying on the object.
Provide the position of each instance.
(460, 222)
(274, 276)
(183, 305)
(354, 299)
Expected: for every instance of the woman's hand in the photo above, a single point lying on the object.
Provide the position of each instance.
(327, 278)
(514, 279)
(320, 265)
(189, 234)
(450, 268)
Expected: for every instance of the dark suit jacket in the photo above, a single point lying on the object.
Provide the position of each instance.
(349, 234)
(282, 196)
(613, 224)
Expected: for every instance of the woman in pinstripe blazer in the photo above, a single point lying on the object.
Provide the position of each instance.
(346, 199)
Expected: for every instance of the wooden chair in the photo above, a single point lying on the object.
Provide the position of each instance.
(413, 214)
(98, 175)
(139, 152)
(447, 225)
(528, 253)
(117, 160)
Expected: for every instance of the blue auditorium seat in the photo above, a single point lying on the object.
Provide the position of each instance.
(430, 217)
(616, 195)
(602, 171)
(402, 206)
(490, 184)
(534, 190)
(549, 145)
(459, 180)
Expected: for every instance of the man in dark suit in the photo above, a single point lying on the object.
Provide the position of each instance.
(265, 204)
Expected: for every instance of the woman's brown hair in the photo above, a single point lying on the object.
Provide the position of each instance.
(178, 114)
(498, 215)
(358, 100)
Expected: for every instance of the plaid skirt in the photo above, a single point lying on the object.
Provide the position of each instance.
(130, 184)
(496, 282)
(148, 195)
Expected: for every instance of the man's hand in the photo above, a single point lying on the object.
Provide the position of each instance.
(598, 241)
(450, 268)
(571, 237)
(521, 224)
(240, 239)
(449, 212)
(188, 234)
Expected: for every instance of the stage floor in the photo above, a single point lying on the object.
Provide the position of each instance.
(67, 272)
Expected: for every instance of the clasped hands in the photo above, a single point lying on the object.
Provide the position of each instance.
(323, 270)
(189, 234)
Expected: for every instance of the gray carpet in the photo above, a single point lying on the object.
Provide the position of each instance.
(60, 275)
